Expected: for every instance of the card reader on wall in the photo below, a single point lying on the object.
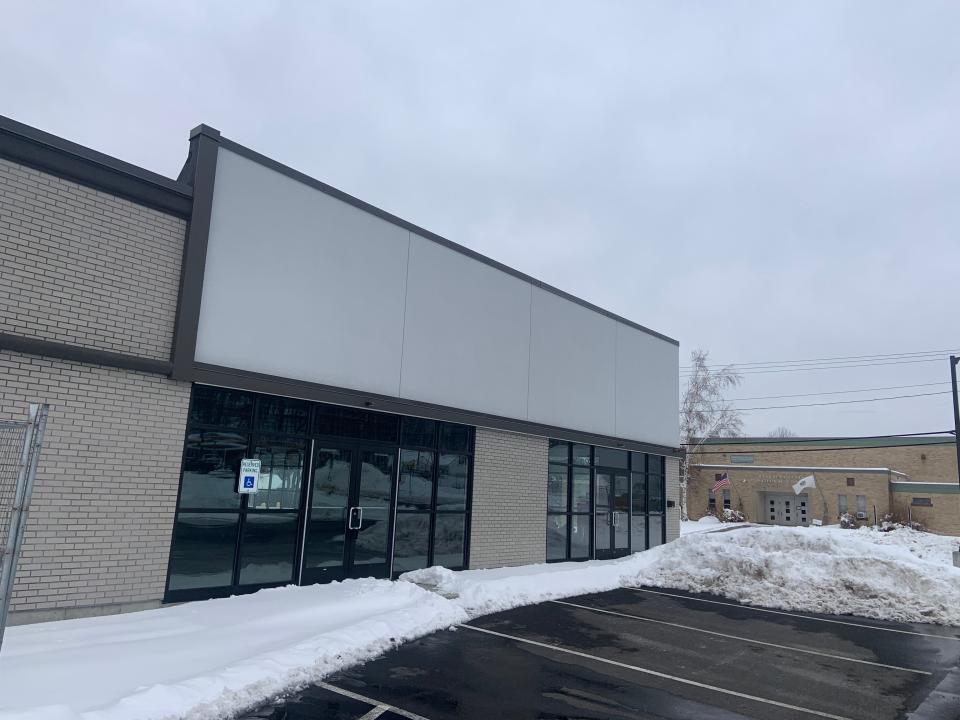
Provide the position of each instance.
(670, 503)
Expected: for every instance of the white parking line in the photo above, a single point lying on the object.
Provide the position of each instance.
(790, 614)
(380, 707)
(375, 713)
(655, 673)
(740, 638)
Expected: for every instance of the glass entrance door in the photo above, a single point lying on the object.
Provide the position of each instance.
(348, 523)
(612, 510)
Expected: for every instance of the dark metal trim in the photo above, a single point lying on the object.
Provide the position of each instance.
(42, 151)
(257, 382)
(204, 144)
(384, 215)
(91, 356)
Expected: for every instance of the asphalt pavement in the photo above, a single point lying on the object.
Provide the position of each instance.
(650, 653)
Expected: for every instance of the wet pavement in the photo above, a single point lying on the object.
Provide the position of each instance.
(647, 653)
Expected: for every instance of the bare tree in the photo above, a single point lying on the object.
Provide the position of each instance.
(782, 432)
(704, 413)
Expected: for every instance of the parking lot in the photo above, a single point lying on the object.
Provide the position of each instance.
(648, 653)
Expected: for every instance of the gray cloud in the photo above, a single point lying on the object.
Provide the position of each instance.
(766, 180)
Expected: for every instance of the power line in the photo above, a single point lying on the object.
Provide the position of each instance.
(800, 450)
(836, 392)
(834, 402)
(829, 367)
(830, 359)
(841, 438)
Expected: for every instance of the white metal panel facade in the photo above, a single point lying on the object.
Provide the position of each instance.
(301, 285)
(572, 356)
(648, 386)
(466, 333)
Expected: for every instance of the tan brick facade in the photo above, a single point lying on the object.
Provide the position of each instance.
(673, 494)
(918, 462)
(509, 523)
(99, 530)
(751, 489)
(943, 514)
(922, 463)
(86, 268)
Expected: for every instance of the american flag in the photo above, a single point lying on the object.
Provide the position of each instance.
(722, 482)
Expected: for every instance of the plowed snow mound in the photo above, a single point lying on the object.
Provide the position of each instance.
(812, 571)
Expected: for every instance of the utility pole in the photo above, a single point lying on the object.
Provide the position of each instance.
(956, 409)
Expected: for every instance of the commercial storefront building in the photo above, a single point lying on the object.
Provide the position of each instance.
(913, 479)
(410, 402)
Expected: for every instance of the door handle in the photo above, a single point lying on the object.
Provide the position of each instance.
(355, 518)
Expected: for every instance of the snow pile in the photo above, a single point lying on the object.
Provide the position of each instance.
(486, 591)
(925, 545)
(801, 569)
(810, 570)
(208, 659)
(704, 524)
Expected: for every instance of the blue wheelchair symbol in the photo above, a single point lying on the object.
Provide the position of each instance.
(248, 481)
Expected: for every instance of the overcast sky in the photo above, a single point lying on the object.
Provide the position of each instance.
(767, 181)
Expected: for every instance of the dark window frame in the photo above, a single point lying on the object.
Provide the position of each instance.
(656, 475)
(253, 435)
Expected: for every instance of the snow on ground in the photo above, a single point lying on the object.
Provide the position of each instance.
(821, 570)
(704, 524)
(208, 659)
(214, 658)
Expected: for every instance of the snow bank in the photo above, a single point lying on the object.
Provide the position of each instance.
(208, 659)
(813, 570)
(215, 658)
(485, 591)
(803, 569)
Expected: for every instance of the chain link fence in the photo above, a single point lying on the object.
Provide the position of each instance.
(20, 444)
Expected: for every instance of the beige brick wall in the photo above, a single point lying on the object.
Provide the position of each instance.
(943, 517)
(923, 463)
(99, 528)
(673, 493)
(748, 487)
(509, 524)
(86, 268)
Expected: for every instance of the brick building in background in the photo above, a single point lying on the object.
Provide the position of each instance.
(912, 478)
(410, 401)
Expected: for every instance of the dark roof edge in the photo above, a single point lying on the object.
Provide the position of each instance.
(384, 215)
(801, 439)
(42, 151)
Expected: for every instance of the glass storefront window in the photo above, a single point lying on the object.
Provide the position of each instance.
(448, 540)
(411, 544)
(210, 466)
(581, 490)
(580, 537)
(556, 537)
(202, 550)
(417, 432)
(656, 530)
(581, 454)
(224, 541)
(415, 490)
(283, 415)
(559, 452)
(267, 548)
(227, 409)
(627, 504)
(607, 457)
(455, 438)
(452, 474)
(557, 489)
(655, 494)
(281, 476)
